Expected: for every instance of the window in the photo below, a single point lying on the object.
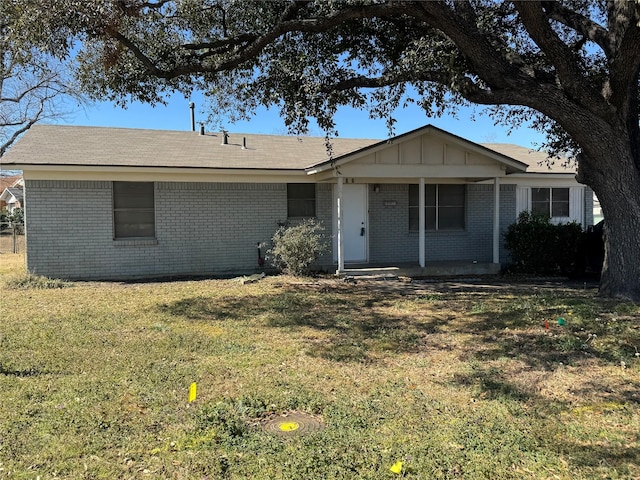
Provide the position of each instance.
(444, 207)
(133, 210)
(553, 202)
(301, 200)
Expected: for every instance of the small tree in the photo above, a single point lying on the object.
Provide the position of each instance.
(296, 248)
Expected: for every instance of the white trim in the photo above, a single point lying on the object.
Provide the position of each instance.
(339, 233)
(576, 205)
(537, 179)
(496, 220)
(523, 199)
(405, 172)
(152, 174)
(576, 201)
(421, 222)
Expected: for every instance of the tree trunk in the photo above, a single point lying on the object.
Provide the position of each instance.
(614, 175)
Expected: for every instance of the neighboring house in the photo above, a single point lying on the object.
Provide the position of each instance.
(13, 198)
(144, 203)
(11, 193)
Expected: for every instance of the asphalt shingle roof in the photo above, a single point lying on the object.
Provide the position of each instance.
(107, 146)
(101, 146)
(6, 182)
(538, 162)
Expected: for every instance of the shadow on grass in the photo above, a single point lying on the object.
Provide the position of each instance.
(587, 447)
(20, 373)
(559, 345)
(211, 309)
(349, 324)
(483, 329)
(504, 324)
(360, 323)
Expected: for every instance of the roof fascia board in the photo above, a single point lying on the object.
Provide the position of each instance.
(533, 179)
(167, 175)
(402, 172)
(543, 175)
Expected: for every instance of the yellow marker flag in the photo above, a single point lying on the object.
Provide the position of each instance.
(192, 392)
(396, 467)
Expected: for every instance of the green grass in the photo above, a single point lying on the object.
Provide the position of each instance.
(455, 383)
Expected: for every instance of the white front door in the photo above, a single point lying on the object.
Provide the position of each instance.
(354, 223)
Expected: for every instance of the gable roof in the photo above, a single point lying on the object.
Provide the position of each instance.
(511, 164)
(12, 193)
(103, 146)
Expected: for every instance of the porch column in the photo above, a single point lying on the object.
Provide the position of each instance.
(421, 223)
(339, 225)
(496, 220)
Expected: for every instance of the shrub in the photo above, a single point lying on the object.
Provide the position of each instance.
(17, 216)
(296, 248)
(29, 281)
(4, 220)
(538, 246)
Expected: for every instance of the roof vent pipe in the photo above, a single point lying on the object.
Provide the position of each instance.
(244, 143)
(193, 116)
(225, 138)
(201, 128)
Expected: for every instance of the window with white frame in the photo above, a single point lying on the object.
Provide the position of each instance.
(301, 200)
(552, 202)
(444, 207)
(133, 210)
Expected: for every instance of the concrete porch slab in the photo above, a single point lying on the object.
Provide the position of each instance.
(431, 269)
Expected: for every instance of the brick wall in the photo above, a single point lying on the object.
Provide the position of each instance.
(507, 217)
(324, 214)
(389, 237)
(198, 225)
(391, 241)
(214, 228)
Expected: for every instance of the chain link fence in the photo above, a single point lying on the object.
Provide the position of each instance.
(12, 237)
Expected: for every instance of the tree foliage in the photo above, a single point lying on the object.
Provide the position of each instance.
(33, 85)
(311, 57)
(570, 67)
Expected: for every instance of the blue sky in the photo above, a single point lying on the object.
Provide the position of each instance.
(350, 123)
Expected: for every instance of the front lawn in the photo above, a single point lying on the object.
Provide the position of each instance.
(453, 380)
